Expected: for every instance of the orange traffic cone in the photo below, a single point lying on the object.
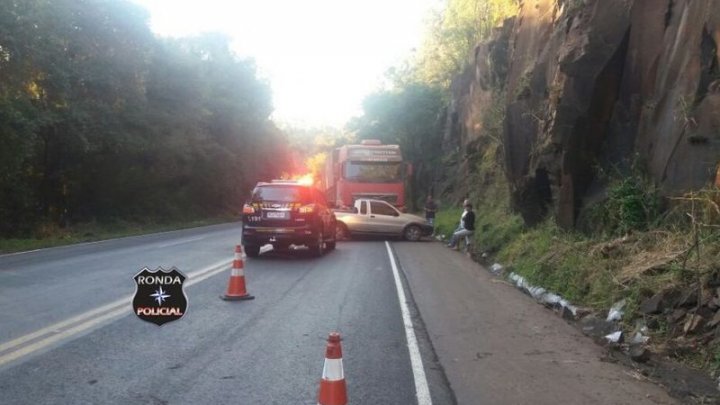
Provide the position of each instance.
(236, 286)
(332, 384)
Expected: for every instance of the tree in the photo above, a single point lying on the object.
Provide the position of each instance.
(411, 117)
(454, 32)
(100, 120)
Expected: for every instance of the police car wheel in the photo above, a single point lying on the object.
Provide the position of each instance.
(252, 250)
(318, 248)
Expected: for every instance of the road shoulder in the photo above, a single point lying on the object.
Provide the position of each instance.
(498, 346)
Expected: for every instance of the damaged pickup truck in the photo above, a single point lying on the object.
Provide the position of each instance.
(379, 218)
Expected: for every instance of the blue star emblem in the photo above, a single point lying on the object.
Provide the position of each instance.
(160, 295)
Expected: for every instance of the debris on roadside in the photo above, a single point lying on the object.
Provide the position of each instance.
(541, 295)
(639, 353)
(616, 311)
(615, 337)
(496, 268)
(597, 327)
(688, 315)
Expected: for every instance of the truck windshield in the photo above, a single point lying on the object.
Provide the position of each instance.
(373, 172)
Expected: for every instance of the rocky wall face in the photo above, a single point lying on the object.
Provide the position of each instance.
(605, 83)
(676, 99)
(472, 94)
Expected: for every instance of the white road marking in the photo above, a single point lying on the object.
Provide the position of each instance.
(87, 320)
(421, 385)
(20, 253)
(180, 242)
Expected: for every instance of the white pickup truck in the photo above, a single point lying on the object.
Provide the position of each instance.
(379, 218)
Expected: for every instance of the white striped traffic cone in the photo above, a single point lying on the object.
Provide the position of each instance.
(236, 285)
(332, 384)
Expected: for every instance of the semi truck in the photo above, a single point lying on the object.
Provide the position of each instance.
(366, 170)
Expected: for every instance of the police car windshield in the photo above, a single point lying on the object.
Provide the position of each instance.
(281, 194)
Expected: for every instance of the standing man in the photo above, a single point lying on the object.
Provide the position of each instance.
(430, 208)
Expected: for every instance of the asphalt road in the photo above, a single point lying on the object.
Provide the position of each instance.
(68, 334)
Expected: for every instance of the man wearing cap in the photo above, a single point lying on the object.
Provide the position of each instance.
(467, 225)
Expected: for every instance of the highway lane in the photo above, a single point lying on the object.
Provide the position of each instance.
(49, 285)
(269, 350)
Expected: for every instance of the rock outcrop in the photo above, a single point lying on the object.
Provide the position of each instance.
(597, 84)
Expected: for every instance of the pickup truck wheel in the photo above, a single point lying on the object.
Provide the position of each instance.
(252, 250)
(318, 248)
(412, 233)
(341, 231)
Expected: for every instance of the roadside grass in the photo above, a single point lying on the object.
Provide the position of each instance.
(596, 270)
(562, 263)
(51, 236)
(446, 221)
(636, 245)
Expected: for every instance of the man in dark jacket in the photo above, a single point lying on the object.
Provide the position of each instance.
(430, 208)
(466, 228)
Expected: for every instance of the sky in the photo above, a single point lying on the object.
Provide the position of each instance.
(321, 57)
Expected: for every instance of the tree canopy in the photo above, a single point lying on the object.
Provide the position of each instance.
(452, 34)
(410, 111)
(101, 120)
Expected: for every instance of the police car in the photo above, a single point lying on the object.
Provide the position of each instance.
(284, 213)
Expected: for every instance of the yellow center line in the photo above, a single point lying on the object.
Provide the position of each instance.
(88, 319)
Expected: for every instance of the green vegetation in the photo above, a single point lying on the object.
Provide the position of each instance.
(633, 204)
(411, 110)
(411, 117)
(102, 122)
(453, 33)
(51, 236)
(447, 220)
(631, 244)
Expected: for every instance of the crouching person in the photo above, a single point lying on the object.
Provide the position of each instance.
(466, 228)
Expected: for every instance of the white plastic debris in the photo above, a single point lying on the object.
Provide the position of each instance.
(537, 293)
(616, 311)
(552, 299)
(496, 268)
(541, 294)
(639, 338)
(614, 337)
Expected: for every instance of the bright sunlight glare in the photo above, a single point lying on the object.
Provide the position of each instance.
(321, 57)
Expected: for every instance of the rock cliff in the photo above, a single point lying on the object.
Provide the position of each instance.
(595, 85)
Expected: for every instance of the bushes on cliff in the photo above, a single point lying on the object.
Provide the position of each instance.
(632, 204)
